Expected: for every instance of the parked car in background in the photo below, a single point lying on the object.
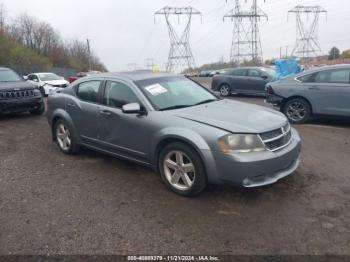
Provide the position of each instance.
(82, 74)
(323, 91)
(17, 95)
(205, 73)
(243, 80)
(47, 82)
(188, 134)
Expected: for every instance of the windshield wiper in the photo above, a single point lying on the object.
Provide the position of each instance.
(174, 107)
(206, 101)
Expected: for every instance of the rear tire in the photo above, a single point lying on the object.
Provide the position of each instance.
(65, 138)
(225, 90)
(297, 110)
(182, 170)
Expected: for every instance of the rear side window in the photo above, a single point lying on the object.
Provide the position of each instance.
(307, 78)
(239, 72)
(118, 94)
(341, 76)
(88, 91)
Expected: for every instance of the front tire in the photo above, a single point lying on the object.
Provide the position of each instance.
(297, 110)
(225, 90)
(182, 170)
(38, 111)
(65, 138)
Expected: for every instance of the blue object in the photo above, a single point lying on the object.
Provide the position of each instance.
(286, 68)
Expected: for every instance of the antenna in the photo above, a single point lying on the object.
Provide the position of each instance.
(180, 54)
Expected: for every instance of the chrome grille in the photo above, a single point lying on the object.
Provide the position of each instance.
(16, 94)
(277, 139)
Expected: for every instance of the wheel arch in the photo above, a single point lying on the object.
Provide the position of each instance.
(295, 97)
(58, 115)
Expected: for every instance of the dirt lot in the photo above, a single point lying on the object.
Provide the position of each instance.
(51, 203)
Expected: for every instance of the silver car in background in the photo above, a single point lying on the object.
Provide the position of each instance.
(177, 127)
(321, 91)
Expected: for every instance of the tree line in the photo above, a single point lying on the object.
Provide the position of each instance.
(27, 41)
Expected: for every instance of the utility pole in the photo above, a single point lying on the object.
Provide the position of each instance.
(307, 44)
(246, 37)
(89, 53)
(180, 54)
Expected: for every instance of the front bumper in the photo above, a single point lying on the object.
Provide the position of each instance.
(259, 168)
(20, 104)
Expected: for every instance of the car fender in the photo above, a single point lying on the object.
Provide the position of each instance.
(62, 114)
(193, 139)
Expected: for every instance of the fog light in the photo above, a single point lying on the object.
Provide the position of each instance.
(246, 182)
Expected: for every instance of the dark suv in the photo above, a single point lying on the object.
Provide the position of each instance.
(17, 95)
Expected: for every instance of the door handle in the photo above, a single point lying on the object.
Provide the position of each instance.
(314, 88)
(106, 112)
(71, 105)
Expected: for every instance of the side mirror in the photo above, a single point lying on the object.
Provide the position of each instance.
(264, 77)
(25, 78)
(132, 108)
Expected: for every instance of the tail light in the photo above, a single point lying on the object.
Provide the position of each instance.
(269, 89)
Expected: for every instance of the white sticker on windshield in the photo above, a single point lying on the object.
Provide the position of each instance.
(156, 89)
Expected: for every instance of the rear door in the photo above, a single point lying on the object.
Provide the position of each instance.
(238, 80)
(256, 82)
(329, 92)
(84, 109)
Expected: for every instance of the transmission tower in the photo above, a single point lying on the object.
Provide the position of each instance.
(307, 44)
(180, 54)
(246, 44)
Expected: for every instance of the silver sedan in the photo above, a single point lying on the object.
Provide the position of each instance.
(179, 128)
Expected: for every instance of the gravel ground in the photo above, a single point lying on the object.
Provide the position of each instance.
(51, 203)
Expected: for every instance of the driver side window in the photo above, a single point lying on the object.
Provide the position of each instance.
(118, 94)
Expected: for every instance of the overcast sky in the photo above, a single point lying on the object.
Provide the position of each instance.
(124, 32)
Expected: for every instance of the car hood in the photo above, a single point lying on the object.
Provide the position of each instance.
(234, 116)
(56, 82)
(20, 85)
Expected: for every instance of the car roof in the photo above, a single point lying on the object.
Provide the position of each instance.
(42, 73)
(135, 75)
(323, 68)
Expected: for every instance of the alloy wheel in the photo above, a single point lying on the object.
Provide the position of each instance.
(179, 170)
(63, 137)
(296, 111)
(225, 90)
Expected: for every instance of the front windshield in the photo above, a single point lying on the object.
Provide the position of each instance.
(49, 77)
(9, 76)
(174, 92)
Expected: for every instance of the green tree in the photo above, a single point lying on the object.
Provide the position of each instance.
(346, 54)
(334, 53)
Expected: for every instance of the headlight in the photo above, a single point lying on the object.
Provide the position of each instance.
(241, 143)
(37, 92)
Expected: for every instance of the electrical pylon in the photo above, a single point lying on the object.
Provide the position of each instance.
(307, 44)
(246, 44)
(180, 54)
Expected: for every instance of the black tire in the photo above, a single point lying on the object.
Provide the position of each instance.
(74, 148)
(225, 90)
(39, 111)
(199, 177)
(42, 91)
(299, 105)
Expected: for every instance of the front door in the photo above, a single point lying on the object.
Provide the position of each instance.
(123, 134)
(256, 82)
